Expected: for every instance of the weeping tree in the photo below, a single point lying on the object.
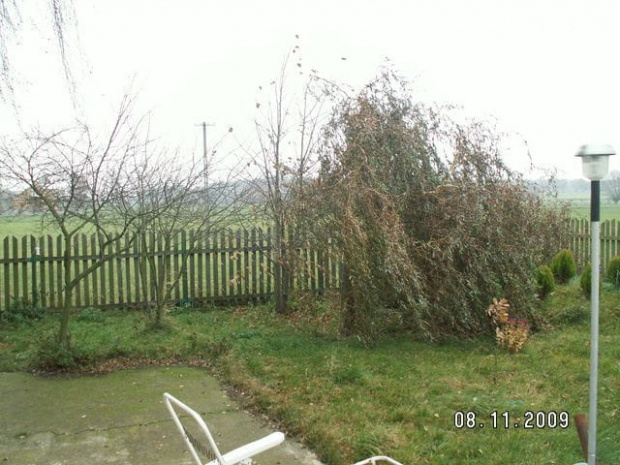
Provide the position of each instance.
(430, 223)
(14, 17)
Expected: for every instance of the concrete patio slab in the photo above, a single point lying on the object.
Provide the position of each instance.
(120, 418)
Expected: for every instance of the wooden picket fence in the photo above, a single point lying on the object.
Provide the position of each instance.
(580, 241)
(224, 267)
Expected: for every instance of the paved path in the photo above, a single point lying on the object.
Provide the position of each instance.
(120, 418)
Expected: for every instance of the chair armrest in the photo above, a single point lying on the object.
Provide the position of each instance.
(253, 448)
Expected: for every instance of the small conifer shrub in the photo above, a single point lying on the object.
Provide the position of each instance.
(613, 271)
(545, 281)
(563, 266)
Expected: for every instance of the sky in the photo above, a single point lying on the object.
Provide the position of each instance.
(546, 72)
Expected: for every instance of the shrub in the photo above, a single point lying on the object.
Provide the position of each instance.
(545, 281)
(563, 266)
(573, 312)
(498, 312)
(586, 280)
(513, 335)
(22, 311)
(52, 356)
(510, 333)
(92, 315)
(613, 271)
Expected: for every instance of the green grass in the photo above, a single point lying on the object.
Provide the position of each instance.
(24, 225)
(399, 398)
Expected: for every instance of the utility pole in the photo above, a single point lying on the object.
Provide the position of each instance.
(205, 154)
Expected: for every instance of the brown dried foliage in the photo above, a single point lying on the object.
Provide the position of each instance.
(430, 235)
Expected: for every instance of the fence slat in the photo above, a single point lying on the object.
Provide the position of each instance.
(119, 270)
(94, 281)
(189, 288)
(25, 250)
(42, 275)
(238, 264)
(224, 277)
(255, 270)
(246, 264)
(15, 257)
(51, 276)
(7, 273)
(269, 260)
(614, 241)
(208, 263)
(85, 252)
(77, 291)
(136, 246)
(60, 276)
(201, 256)
(214, 257)
(111, 278)
(163, 263)
(231, 268)
(175, 268)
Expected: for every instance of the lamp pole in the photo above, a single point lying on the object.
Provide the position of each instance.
(595, 161)
(595, 213)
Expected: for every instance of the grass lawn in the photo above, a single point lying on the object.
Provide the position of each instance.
(400, 398)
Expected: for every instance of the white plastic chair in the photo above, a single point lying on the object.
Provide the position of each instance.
(210, 450)
(378, 458)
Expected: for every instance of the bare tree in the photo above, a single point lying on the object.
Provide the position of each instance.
(168, 197)
(285, 160)
(78, 181)
(612, 186)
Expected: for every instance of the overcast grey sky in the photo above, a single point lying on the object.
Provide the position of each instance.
(548, 70)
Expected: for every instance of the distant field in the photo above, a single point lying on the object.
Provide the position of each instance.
(24, 225)
(580, 205)
(609, 211)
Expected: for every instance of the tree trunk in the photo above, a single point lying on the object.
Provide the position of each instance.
(143, 264)
(347, 304)
(63, 335)
(280, 274)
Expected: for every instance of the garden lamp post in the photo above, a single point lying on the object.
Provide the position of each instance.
(595, 162)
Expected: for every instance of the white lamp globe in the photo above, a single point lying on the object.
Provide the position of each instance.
(595, 160)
